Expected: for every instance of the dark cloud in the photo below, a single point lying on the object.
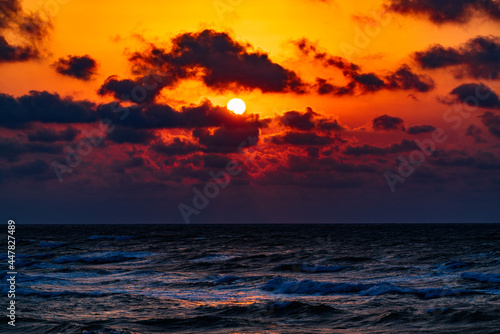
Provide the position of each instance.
(299, 121)
(9, 9)
(476, 95)
(447, 11)
(11, 149)
(44, 148)
(43, 107)
(311, 49)
(49, 135)
(323, 87)
(492, 122)
(177, 147)
(401, 79)
(302, 139)
(134, 162)
(13, 53)
(405, 146)
(475, 132)
(452, 158)
(369, 82)
(405, 79)
(386, 123)
(226, 140)
(313, 179)
(312, 152)
(418, 129)
(79, 67)
(215, 161)
(487, 160)
(221, 62)
(308, 121)
(29, 30)
(301, 164)
(31, 168)
(478, 57)
(122, 135)
(141, 90)
(328, 124)
(161, 116)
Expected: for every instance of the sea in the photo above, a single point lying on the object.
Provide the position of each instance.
(330, 278)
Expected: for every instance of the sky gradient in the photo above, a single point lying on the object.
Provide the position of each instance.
(366, 111)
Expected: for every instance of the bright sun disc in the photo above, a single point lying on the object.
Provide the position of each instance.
(237, 106)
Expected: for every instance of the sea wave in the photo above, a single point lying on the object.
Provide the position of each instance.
(51, 244)
(480, 277)
(213, 258)
(453, 265)
(308, 268)
(114, 237)
(273, 309)
(309, 287)
(102, 257)
(231, 279)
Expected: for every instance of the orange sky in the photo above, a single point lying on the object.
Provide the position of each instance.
(105, 30)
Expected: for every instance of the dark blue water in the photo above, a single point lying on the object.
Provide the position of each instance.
(257, 279)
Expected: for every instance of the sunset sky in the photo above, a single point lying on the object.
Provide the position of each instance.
(357, 111)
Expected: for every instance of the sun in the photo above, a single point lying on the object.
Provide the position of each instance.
(237, 106)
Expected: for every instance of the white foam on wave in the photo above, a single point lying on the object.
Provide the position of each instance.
(309, 287)
(214, 258)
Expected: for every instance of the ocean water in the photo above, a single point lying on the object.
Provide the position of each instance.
(257, 279)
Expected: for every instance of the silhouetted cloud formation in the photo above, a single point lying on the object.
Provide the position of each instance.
(478, 57)
(79, 67)
(221, 62)
(177, 147)
(477, 95)
(302, 139)
(141, 90)
(401, 79)
(386, 123)
(31, 168)
(405, 146)
(227, 140)
(447, 11)
(11, 149)
(492, 122)
(418, 129)
(44, 107)
(49, 135)
(12, 53)
(475, 132)
(122, 135)
(309, 120)
(162, 116)
(311, 49)
(404, 79)
(29, 30)
(452, 158)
